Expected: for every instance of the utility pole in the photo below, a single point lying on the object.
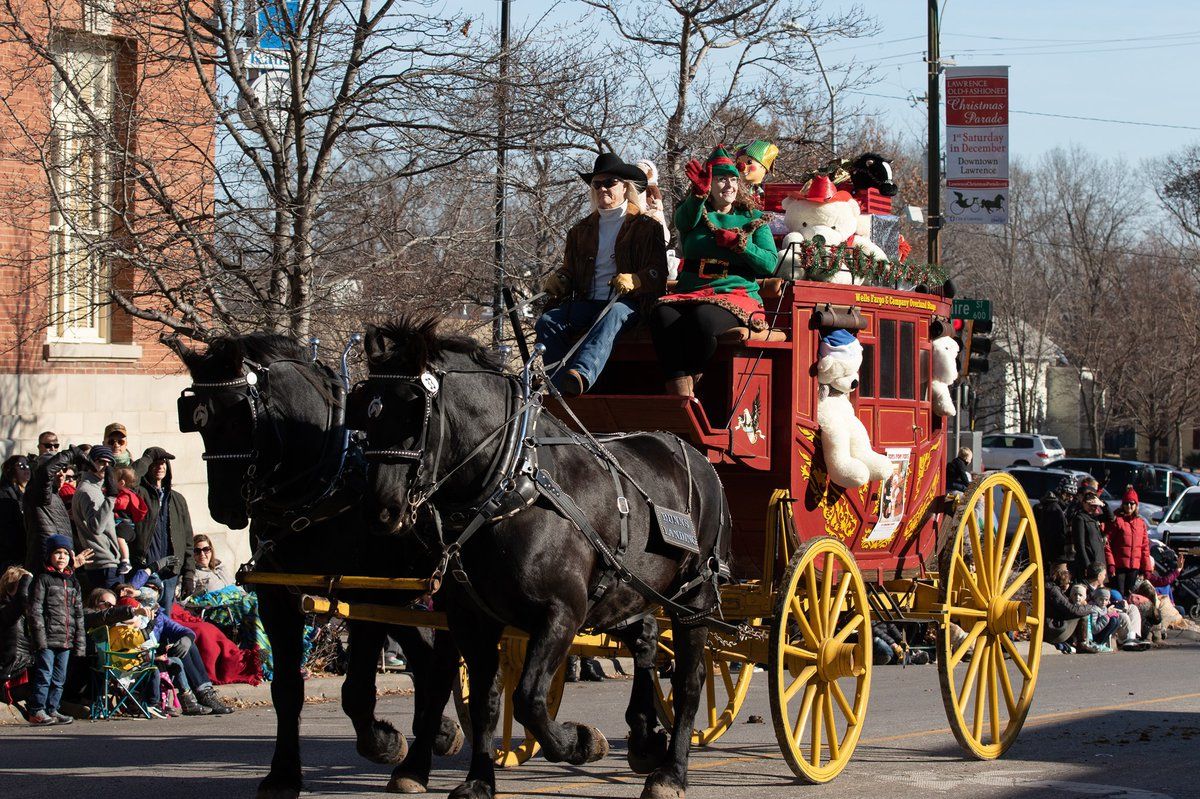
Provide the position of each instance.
(501, 187)
(933, 97)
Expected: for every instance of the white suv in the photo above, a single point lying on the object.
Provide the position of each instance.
(1020, 449)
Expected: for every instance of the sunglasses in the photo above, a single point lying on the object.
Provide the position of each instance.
(116, 438)
(606, 183)
(48, 445)
(104, 603)
(200, 550)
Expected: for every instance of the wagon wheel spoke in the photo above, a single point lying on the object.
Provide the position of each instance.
(817, 718)
(1014, 548)
(806, 704)
(855, 622)
(981, 571)
(983, 656)
(827, 592)
(1001, 537)
(967, 643)
(831, 731)
(1021, 579)
(710, 688)
(839, 602)
(989, 541)
(981, 646)
(1010, 699)
(799, 652)
(727, 677)
(970, 613)
(1016, 656)
(802, 679)
(806, 629)
(993, 692)
(977, 595)
(810, 580)
(847, 711)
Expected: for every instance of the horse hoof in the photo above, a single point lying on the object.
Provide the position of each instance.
(384, 744)
(662, 786)
(450, 739)
(278, 788)
(645, 758)
(473, 789)
(591, 745)
(403, 783)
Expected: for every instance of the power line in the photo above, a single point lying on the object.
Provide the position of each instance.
(1048, 42)
(965, 230)
(914, 99)
(1012, 52)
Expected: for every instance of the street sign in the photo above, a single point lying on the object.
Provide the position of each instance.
(973, 310)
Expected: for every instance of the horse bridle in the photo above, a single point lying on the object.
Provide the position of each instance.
(193, 417)
(428, 387)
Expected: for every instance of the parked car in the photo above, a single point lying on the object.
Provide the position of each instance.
(1020, 449)
(1037, 482)
(1156, 484)
(1179, 527)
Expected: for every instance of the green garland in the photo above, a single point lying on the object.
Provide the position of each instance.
(822, 263)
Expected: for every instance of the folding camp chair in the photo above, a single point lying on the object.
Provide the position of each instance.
(118, 676)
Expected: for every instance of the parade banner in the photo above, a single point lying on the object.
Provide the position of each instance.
(977, 145)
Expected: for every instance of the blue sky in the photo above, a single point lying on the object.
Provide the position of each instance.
(1108, 59)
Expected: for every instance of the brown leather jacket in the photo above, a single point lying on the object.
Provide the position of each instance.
(639, 250)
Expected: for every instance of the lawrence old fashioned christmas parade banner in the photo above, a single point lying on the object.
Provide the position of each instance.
(977, 145)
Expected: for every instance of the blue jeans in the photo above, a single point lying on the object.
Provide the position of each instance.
(49, 674)
(168, 597)
(558, 327)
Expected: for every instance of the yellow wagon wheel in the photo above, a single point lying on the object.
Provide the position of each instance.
(820, 659)
(727, 681)
(991, 592)
(515, 747)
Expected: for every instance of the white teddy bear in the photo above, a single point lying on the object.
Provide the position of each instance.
(849, 459)
(825, 216)
(945, 372)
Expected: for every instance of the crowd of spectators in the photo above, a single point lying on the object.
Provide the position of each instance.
(95, 549)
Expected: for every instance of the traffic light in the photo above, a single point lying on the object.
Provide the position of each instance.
(979, 346)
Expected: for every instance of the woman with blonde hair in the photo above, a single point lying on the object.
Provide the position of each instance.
(15, 653)
(616, 250)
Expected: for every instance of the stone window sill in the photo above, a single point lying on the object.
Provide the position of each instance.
(57, 351)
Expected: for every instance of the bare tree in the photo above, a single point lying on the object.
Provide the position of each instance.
(698, 58)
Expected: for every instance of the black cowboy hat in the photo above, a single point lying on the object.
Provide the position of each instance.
(611, 164)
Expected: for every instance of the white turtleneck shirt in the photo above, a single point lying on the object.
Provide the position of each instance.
(611, 220)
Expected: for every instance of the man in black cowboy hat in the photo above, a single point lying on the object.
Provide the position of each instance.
(616, 250)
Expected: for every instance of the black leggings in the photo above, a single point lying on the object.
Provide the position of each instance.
(685, 336)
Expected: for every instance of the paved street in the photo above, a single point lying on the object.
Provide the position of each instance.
(1124, 726)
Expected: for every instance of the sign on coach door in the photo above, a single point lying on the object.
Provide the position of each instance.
(977, 145)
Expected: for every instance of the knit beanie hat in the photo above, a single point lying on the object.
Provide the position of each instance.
(56, 542)
(101, 453)
(1101, 595)
(1130, 495)
(1067, 487)
(722, 163)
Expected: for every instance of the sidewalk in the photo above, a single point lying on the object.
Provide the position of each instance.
(316, 689)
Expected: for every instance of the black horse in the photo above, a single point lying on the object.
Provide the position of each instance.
(272, 421)
(455, 458)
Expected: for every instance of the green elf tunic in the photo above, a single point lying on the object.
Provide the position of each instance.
(725, 276)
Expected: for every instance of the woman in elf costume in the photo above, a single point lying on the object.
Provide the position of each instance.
(726, 246)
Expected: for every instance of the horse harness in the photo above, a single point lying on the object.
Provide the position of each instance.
(518, 475)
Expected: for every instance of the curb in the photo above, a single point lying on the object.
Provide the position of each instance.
(316, 689)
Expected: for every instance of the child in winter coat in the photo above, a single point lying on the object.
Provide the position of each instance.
(128, 510)
(56, 629)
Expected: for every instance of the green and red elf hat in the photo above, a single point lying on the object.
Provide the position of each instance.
(721, 163)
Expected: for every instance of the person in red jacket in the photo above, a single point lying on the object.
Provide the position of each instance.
(1127, 548)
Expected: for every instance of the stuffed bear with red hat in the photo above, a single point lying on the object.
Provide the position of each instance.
(823, 217)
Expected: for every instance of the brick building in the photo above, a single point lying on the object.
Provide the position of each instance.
(70, 361)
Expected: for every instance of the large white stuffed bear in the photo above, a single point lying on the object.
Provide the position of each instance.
(822, 215)
(945, 372)
(849, 459)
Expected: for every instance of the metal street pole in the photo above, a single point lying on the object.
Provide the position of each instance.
(501, 187)
(933, 97)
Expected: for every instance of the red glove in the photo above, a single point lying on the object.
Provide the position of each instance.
(701, 177)
(725, 238)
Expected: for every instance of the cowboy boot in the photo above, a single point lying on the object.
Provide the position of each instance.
(191, 705)
(680, 386)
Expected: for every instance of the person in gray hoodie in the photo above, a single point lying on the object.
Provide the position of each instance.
(92, 512)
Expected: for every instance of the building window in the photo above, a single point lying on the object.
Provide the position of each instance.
(82, 188)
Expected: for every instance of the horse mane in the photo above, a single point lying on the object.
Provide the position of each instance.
(226, 353)
(414, 340)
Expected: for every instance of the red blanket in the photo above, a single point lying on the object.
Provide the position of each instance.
(223, 660)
